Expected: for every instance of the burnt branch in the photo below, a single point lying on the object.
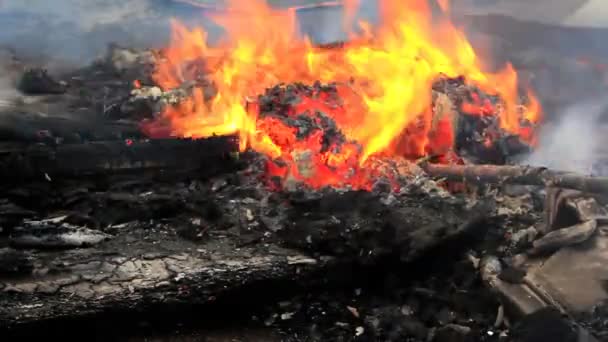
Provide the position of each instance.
(520, 175)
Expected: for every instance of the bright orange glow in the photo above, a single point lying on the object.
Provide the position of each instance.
(384, 78)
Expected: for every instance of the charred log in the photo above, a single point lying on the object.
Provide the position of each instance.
(521, 175)
(129, 273)
(39, 82)
(41, 161)
(29, 128)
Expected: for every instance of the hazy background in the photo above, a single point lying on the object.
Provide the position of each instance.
(76, 31)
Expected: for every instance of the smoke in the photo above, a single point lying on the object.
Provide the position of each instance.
(76, 31)
(324, 25)
(8, 75)
(573, 141)
(7, 92)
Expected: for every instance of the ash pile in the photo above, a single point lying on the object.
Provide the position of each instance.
(101, 217)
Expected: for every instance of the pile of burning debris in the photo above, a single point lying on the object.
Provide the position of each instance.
(146, 197)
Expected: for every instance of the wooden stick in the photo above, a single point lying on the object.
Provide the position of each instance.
(522, 175)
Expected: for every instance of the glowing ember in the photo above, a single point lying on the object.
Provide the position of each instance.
(381, 104)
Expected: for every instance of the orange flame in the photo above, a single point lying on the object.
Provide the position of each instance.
(393, 70)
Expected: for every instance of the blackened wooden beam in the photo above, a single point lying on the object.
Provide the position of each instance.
(39, 161)
(519, 175)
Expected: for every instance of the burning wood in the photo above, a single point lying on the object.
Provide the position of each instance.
(357, 108)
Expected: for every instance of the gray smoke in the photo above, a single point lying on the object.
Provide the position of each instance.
(325, 25)
(8, 91)
(76, 31)
(573, 142)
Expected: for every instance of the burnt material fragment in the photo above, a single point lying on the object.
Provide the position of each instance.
(478, 135)
(454, 333)
(521, 175)
(54, 233)
(546, 324)
(512, 275)
(70, 160)
(19, 128)
(39, 82)
(13, 262)
(564, 237)
(366, 226)
(64, 236)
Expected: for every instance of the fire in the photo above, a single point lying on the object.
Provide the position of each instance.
(384, 76)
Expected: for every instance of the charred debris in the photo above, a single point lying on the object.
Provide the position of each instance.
(100, 222)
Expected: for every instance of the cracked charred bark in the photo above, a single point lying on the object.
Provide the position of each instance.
(144, 266)
(136, 269)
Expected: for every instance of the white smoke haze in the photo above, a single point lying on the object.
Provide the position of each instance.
(573, 142)
(8, 77)
(72, 33)
(7, 92)
(62, 35)
(86, 15)
(76, 31)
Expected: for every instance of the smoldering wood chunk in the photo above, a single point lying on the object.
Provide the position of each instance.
(123, 59)
(143, 103)
(40, 161)
(148, 101)
(55, 233)
(564, 237)
(512, 275)
(557, 214)
(587, 209)
(19, 128)
(570, 218)
(521, 175)
(365, 225)
(39, 82)
(478, 138)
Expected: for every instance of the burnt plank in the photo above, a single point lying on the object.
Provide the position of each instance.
(71, 160)
(520, 175)
(26, 127)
